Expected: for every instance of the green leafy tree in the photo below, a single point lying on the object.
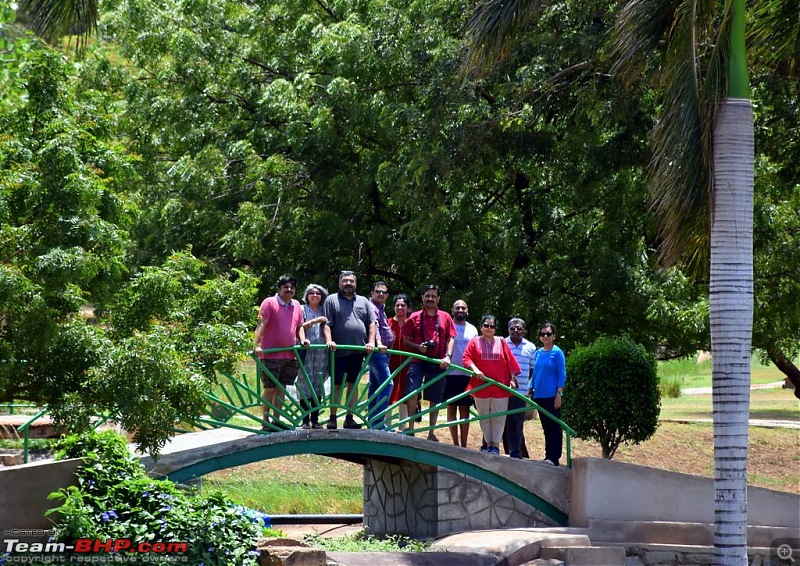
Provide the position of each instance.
(169, 334)
(65, 214)
(83, 328)
(612, 394)
(777, 224)
(338, 138)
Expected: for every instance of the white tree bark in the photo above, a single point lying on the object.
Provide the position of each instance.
(731, 306)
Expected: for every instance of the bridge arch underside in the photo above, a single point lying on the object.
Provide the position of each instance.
(543, 488)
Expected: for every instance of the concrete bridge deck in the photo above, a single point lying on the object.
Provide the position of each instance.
(543, 487)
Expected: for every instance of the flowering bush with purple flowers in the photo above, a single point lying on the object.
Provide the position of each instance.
(115, 499)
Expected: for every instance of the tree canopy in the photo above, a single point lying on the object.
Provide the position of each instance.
(195, 153)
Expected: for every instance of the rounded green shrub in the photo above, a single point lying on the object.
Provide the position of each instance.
(612, 393)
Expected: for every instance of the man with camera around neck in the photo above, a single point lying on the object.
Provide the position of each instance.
(431, 332)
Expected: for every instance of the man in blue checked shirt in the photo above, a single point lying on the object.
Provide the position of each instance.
(523, 350)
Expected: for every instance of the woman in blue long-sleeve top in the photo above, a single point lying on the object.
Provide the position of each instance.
(549, 376)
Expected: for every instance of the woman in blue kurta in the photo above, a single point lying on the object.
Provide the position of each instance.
(549, 376)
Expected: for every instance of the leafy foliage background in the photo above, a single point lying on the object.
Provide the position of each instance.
(198, 151)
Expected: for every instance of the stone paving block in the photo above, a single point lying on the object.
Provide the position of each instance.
(660, 557)
(284, 551)
(562, 540)
(292, 556)
(11, 459)
(278, 541)
(587, 555)
(700, 559)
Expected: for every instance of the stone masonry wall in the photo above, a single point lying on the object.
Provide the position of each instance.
(424, 501)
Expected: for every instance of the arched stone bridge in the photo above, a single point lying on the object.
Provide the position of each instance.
(411, 485)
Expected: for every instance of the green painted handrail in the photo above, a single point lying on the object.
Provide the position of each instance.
(26, 433)
(25, 429)
(232, 403)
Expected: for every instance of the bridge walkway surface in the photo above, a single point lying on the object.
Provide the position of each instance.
(192, 455)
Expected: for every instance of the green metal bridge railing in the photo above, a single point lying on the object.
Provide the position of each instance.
(237, 403)
(24, 430)
(232, 405)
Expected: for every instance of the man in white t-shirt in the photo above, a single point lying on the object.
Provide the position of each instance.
(457, 380)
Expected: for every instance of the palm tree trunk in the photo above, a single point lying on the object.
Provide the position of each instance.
(731, 295)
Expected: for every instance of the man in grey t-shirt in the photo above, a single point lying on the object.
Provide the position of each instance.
(351, 321)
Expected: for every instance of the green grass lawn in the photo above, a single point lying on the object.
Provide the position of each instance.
(689, 373)
(299, 484)
(287, 495)
(773, 404)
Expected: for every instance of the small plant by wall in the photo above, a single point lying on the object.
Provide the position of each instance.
(115, 499)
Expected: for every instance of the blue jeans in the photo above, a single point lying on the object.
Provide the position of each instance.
(378, 375)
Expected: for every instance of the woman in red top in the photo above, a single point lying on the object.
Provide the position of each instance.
(402, 306)
(489, 356)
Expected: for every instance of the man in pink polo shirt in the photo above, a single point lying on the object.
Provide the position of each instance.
(280, 324)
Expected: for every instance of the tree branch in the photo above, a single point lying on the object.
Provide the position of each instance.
(786, 366)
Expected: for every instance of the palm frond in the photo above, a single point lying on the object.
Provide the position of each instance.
(492, 30)
(639, 29)
(775, 35)
(693, 79)
(678, 183)
(54, 19)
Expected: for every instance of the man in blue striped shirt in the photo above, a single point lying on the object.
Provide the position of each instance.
(523, 350)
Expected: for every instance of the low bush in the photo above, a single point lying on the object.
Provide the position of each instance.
(115, 499)
(612, 393)
(670, 387)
